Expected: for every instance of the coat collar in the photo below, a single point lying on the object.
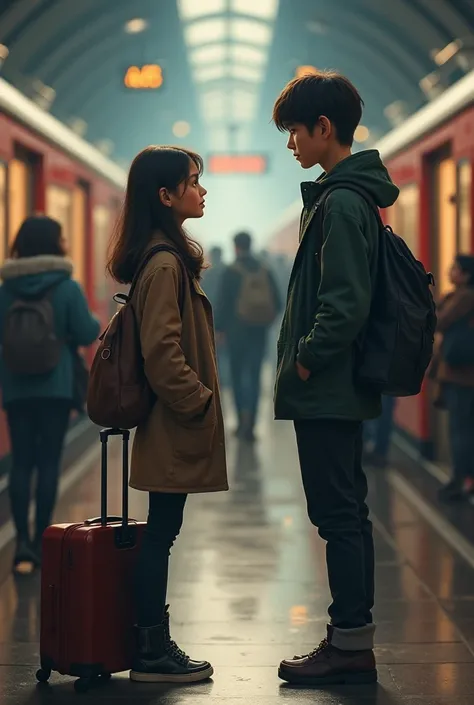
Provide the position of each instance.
(13, 268)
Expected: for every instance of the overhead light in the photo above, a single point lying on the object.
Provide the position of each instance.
(264, 9)
(397, 112)
(181, 128)
(210, 73)
(4, 51)
(209, 54)
(192, 9)
(306, 71)
(242, 53)
(78, 125)
(219, 139)
(361, 134)
(205, 32)
(250, 31)
(442, 56)
(246, 73)
(105, 146)
(135, 26)
(243, 105)
(317, 27)
(214, 106)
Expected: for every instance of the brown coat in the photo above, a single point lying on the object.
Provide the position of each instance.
(180, 448)
(453, 307)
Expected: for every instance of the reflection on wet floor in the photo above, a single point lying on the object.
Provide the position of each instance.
(248, 587)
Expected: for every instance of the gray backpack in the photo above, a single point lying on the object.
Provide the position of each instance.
(256, 301)
(30, 344)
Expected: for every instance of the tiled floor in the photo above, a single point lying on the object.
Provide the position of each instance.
(248, 587)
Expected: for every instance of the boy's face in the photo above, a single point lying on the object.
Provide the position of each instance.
(309, 148)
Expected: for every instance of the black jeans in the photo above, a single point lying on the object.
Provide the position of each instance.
(335, 485)
(460, 405)
(37, 431)
(165, 518)
(246, 354)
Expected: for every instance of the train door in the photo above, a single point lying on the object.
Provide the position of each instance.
(21, 191)
(78, 246)
(451, 233)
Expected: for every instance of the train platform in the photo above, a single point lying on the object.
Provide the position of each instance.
(248, 587)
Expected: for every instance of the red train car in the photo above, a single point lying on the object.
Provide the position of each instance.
(431, 158)
(47, 168)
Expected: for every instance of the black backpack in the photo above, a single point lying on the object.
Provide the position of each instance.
(396, 345)
(30, 345)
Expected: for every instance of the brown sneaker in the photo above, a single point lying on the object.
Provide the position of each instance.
(327, 665)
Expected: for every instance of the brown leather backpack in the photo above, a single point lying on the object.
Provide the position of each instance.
(119, 395)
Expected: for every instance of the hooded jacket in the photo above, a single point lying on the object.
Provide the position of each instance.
(32, 277)
(330, 294)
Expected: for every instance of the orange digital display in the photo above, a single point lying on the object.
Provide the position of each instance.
(237, 164)
(148, 77)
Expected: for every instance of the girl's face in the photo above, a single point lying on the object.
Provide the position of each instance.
(458, 276)
(188, 200)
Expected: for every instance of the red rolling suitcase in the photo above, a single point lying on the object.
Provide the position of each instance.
(87, 601)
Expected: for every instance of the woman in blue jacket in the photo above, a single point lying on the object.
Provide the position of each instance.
(38, 406)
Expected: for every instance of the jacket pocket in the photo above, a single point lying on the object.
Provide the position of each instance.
(194, 439)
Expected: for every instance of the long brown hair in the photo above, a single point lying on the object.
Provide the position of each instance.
(143, 213)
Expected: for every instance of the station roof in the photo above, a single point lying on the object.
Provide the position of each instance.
(224, 61)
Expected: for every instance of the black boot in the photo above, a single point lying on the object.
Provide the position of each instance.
(160, 660)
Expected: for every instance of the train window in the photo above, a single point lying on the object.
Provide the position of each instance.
(19, 195)
(101, 218)
(59, 207)
(445, 204)
(464, 207)
(78, 245)
(404, 217)
(3, 213)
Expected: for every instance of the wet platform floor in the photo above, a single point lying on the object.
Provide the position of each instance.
(248, 587)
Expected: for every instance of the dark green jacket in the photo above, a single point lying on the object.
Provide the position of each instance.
(32, 276)
(330, 294)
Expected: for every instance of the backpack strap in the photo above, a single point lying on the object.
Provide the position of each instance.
(125, 298)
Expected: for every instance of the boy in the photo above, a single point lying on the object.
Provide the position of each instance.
(328, 304)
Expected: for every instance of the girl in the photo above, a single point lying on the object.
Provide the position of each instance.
(38, 406)
(180, 448)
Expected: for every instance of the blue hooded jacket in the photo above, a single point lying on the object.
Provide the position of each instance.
(31, 276)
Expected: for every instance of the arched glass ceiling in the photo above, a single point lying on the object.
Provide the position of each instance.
(227, 44)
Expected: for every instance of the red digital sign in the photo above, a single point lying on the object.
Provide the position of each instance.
(237, 164)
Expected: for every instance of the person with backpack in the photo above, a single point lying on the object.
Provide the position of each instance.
(328, 306)
(168, 341)
(44, 318)
(247, 305)
(453, 369)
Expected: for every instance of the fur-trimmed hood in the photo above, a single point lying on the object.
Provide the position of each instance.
(30, 276)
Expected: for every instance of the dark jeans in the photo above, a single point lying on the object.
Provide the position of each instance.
(335, 485)
(380, 430)
(246, 355)
(165, 518)
(37, 431)
(460, 404)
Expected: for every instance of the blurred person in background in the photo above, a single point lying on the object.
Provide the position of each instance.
(44, 318)
(453, 369)
(179, 448)
(378, 434)
(211, 281)
(248, 304)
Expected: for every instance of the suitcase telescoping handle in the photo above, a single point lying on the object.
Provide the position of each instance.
(105, 434)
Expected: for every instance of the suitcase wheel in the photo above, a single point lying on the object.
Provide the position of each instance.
(43, 675)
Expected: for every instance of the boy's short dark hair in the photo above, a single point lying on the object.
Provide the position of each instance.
(243, 241)
(327, 93)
